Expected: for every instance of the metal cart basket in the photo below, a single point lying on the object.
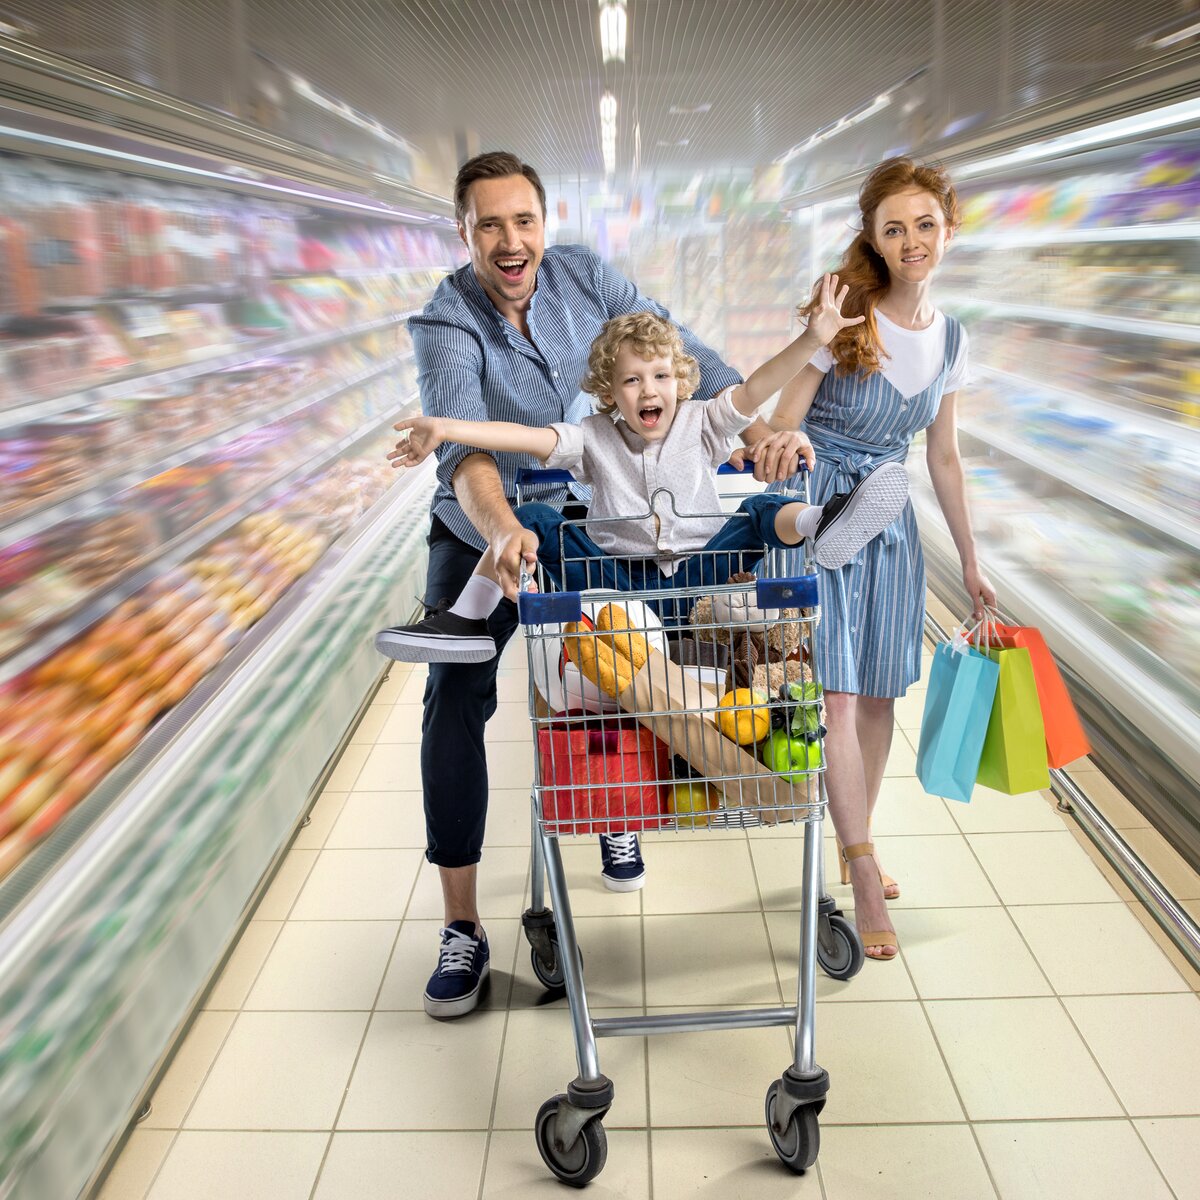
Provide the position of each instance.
(657, 721)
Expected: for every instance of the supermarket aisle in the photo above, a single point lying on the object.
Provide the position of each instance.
(1032, 1041)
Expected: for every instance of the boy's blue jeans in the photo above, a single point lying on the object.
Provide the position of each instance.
(736, 546)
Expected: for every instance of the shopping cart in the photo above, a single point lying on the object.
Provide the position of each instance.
(630, 741)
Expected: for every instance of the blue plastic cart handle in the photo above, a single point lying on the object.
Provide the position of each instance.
(797, 592)
(548, 608)
(527, 475)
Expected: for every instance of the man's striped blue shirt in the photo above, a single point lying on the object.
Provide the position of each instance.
(474, 365)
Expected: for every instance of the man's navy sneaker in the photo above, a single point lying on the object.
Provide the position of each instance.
(442, 636)
(623, 869)
(454, 988)
(851, 519)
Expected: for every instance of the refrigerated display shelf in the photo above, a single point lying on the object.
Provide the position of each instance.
(1174, 231)
(32, 523)
(40, 410)
(72, 623)
(1151, 515)
(1141, 417)
(1164, 330)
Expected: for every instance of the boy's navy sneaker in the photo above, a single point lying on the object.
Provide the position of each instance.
(623, 869)
(454, 988)
(851, 519)
(442, 636)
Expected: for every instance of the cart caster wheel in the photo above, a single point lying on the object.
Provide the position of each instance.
(579, 1163)
(841, 953)
(550, 977)
(800, 1142)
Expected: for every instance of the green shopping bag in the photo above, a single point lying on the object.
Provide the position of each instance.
(1014, 749)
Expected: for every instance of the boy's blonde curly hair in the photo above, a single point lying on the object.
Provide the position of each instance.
(649, 335)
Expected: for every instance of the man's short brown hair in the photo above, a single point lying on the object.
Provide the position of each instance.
(495, 164)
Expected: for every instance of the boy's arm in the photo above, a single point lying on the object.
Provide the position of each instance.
(426, 434)
(824, 324)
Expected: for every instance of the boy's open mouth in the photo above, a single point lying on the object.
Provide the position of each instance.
(512, 268)
(650, 415)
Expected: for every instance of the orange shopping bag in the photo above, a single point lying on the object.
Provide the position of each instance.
(1065, 739)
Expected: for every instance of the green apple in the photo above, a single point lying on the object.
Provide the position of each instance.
(790, 756)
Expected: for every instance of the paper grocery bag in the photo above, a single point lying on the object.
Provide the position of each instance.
(1014, 750)
(958, 708)
(1065, 738)
(658, 696)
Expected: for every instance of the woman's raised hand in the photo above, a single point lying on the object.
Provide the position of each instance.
(826, 320)
(423, 436)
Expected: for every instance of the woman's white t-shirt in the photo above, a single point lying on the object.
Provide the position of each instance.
(912, 358)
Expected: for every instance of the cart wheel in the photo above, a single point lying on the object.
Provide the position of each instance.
(841, 955)
(550, 977)
(799, 1143)
(577, 1164)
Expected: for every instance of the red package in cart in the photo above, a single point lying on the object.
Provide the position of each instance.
(602, 777)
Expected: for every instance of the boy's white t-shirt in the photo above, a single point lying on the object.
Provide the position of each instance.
(914, 357)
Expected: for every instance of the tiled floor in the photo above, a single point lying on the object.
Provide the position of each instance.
(1033, 1040)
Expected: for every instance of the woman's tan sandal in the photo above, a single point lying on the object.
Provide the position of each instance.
(872, 939)
(891, 889)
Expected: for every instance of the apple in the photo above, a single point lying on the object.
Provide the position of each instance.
(790, 756)
(691, 803)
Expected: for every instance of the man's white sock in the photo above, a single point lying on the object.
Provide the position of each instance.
(477, 600)
(806, 521)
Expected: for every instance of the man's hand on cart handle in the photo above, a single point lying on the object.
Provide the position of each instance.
(777, 456)
(422, 436)
(512, 553)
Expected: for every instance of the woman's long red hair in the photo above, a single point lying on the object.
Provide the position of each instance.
(857, 349)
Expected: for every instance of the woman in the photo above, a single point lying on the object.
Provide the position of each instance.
(860, 401)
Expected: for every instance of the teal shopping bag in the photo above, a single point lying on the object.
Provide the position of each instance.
(958, 706)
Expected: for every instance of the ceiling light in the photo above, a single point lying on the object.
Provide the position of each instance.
(672, 145)
(1166, 36)
(689, 110)
(608, 109)
(612, 30)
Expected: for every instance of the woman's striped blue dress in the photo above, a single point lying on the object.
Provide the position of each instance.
(868, 640)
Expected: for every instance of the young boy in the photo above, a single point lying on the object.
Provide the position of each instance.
(644, 439)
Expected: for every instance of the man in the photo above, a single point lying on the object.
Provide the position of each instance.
(505, 339)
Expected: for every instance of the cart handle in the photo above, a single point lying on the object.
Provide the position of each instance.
(528, 475)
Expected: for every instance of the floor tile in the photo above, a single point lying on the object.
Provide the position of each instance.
(779, 866)
(502, 881)
(588, 895)
(387, 768)
(1155, 1075)
(902, 1162)
(1040, 868)
(967, 953)
(725, 1164)
(358, 885)
(347, 770)
(367, 731)
(905, 808)
(1079, 1160)
(267, 1166)
(412, 690)
(539, 1061)
(910, 709)
(380, 1166)
(508, 818)
(994, 812)
(902, 758)
(712, 959)
(515, 1170)
(1019, 1060)
(698, 876)
(512, 686)
(883, 1064)
(237, 978)
(510, 764)
(140, 1159)
(873, 982)
(416, 956)
(612, 965)
(403, 725)
(716, 1078)
(398, 678)
(415, 1073)
(281, 894)
(183, 1078)
(933, 872)
(1175, 1144)
(1175, 956)
(379, 820)
(1156, 852)
(510, 723)
(321, 819)
(325, 966)
(280, 1070)
(1096, 949)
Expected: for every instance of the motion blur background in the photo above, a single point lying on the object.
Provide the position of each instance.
(214, 216)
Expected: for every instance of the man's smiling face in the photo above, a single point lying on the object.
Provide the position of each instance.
(504, 229)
